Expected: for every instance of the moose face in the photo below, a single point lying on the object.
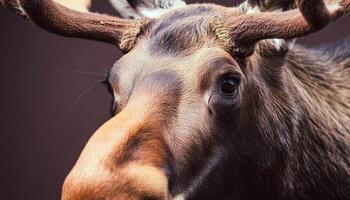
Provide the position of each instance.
(184, 59)
(201, 96)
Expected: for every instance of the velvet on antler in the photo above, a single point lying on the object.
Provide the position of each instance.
(311, 16)
(72, 19)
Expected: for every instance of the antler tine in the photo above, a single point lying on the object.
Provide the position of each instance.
(60, 18)
(311, 16)
(14, 6)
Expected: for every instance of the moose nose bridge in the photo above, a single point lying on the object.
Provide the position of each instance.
(153, 100)
(129, 151)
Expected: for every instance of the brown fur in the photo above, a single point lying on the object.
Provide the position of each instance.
(284, 135)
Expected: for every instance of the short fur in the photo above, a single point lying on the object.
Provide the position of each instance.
(283, 135)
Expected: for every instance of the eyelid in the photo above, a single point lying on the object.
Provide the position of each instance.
(109, 75)
(228, 71)
(113, 80)
(216, 68)
(112, 76)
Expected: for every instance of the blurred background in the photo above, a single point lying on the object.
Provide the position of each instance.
(50, 101)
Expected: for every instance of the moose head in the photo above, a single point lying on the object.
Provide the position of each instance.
(212, 102)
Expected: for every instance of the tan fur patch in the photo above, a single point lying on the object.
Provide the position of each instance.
(152, 179)
(222, 33)
(131, 35)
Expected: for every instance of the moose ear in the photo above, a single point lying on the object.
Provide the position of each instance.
(134, 9)
(251, 6)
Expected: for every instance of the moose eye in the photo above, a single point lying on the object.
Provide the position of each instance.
(230, 85)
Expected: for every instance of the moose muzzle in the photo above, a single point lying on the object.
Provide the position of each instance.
(126, 158)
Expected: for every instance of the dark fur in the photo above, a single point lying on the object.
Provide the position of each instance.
(285, 145)
(284, 136)
(292, 138)
(292, 147)
(170, 39)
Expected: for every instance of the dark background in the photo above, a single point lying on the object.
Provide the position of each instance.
(42, 129)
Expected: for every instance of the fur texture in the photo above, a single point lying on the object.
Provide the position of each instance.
(282, 134)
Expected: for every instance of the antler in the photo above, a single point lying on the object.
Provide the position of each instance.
(72, 19)
(13, 5)
(311, 16)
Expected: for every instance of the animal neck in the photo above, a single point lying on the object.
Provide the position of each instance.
(301, 115)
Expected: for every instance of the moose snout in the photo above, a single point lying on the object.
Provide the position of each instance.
(119, 162)
(126, 158)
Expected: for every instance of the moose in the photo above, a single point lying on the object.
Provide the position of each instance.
(213, 102)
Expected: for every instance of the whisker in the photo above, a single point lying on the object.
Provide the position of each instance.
(106, 72)
(85, 92)
(91, 64)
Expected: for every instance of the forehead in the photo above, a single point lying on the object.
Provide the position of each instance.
(138, 64)
(183, 40)
(184, 30)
